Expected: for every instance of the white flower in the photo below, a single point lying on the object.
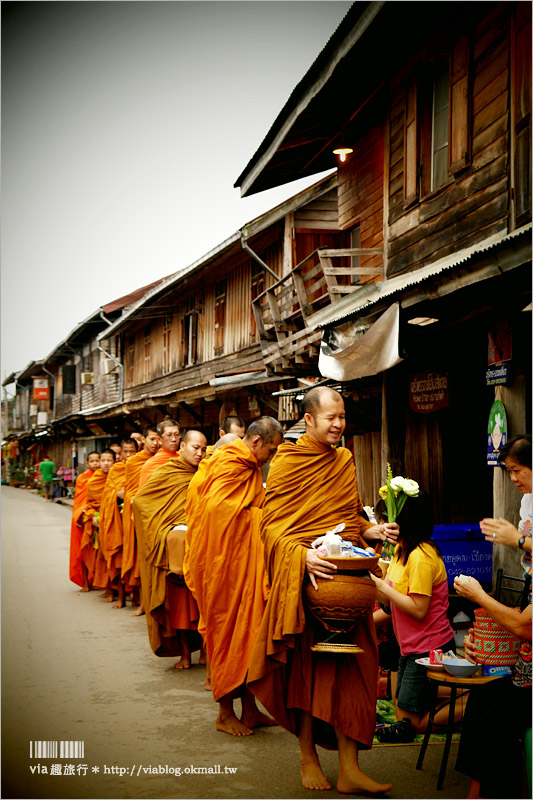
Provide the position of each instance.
(397, 483)
(411, 487)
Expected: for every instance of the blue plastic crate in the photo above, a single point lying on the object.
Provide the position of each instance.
(464, 551)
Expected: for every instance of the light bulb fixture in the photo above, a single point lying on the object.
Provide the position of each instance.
(342, 152)
(422, 320)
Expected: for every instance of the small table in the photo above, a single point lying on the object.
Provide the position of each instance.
(443, 678)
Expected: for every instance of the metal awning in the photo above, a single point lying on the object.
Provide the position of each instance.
(494, 264)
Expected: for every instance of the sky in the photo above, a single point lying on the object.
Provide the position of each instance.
(124, 127)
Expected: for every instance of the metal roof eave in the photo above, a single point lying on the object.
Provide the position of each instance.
(373, 293)
(310, 86)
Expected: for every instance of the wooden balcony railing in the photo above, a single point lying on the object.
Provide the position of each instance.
(281, 312)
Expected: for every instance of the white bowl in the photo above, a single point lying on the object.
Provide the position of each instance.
(460, 667)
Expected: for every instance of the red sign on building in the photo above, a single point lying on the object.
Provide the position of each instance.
(428, 391)
(40, 389)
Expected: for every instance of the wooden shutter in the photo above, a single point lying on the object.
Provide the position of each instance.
(522, 114)
(410, 158)
(459, 120)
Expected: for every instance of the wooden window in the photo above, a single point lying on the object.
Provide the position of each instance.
(437, 132)
(220, 316)
(189, 335)
(167, 327)
(410, 186)
(147, 352)
(522, 113)
(130, 360)
(257, 288)
(459, 103)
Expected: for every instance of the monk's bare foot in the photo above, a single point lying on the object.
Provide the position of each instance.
(255, 719)
(85, 589)
(354, 781)
(183, 663)
(207, 684)
(108, 599)
(313, 777)
(104, 594)
(202, 659)
(119, 604)
(138, 613)
(230, 724)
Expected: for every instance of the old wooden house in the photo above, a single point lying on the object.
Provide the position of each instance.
(427, 113)
(191, 348)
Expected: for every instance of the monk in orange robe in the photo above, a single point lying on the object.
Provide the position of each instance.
(227, 568)
(110, 533)
(169, 434)
(130, 574)
(322, 698)
(92, 561)
(76, 528)
(158, 507)
(192, 497)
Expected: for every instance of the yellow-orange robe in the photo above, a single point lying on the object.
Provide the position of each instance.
(311, 488)
(110, 533)
(190, 506)
(130, 573)
(160, 458)
(158, 506)
(89, 540)
(76, 527)
(226, 563)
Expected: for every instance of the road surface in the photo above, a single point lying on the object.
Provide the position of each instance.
(76, 670)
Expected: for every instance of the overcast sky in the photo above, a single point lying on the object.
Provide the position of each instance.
(124, 128)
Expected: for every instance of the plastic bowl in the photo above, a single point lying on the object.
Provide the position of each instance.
(460, 667)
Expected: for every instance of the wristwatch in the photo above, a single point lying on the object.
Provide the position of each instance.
(521, 542)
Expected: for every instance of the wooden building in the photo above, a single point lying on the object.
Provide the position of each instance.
(433, 110)
(191, 348)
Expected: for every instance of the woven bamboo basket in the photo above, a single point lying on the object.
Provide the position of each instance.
(494, 645)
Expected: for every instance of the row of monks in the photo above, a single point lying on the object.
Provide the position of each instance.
(217, 561)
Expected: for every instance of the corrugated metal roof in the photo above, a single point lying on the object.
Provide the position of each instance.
(373, 293)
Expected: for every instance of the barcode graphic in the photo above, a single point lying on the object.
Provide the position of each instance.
(45, 749)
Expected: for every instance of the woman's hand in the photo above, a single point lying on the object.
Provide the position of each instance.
(500, 531)
(470, 650)
(318, 566)
(470, 588)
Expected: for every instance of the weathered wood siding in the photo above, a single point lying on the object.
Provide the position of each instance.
(475, 203)
(360, 188)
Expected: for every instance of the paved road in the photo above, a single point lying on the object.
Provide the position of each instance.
(74, 669)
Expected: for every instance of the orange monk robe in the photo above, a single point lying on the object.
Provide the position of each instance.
(130, 556)
(160, 458)
(110, 533)
(158, 506)
(226, 563)
(311, 488)
(76, 527)
(190, 506)
(89, 540)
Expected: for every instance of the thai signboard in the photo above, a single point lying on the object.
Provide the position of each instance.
(40, 389)
(428, 391)
(496, 432)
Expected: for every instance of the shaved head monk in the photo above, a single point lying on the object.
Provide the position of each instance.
(226, 564)
(322, 698)
(76, 528)
(169, 434)
(159, 510)
(130, 573)
(94, 570)
(233, 424)
(110, 534)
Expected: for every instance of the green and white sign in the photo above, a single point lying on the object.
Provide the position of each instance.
(496, 433)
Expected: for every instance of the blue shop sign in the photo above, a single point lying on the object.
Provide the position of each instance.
(497, 374)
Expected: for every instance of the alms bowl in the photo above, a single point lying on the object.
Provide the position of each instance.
(460, 667)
